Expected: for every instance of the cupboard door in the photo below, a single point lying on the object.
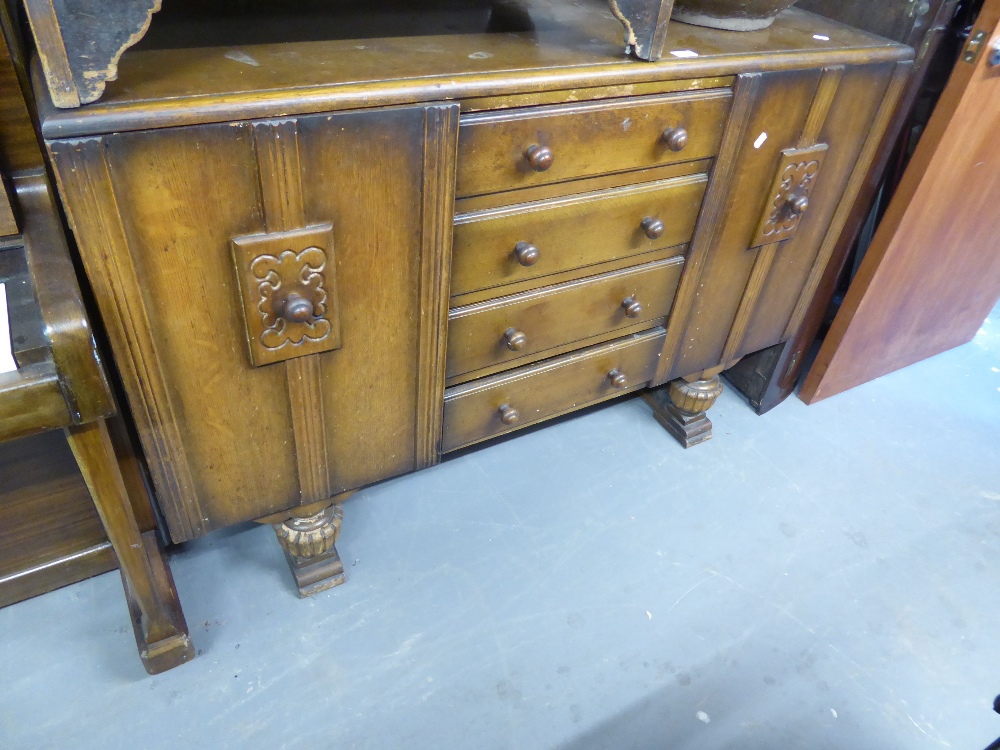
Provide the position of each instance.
(796, 149)
(231, 434)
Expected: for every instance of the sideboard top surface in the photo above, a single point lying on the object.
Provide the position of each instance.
(572, 45)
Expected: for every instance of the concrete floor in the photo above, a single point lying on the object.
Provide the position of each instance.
(822, 577)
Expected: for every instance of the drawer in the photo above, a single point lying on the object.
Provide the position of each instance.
(529, 241)
(491, 406)
(508, 328)
(507, 150)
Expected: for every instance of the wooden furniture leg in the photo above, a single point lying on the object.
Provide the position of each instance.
(160, 630)
(681, 406)
(308, 535)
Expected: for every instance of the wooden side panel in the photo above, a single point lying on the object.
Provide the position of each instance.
(932, 273)
(140, 336)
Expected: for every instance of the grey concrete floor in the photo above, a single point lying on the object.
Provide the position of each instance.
(821, 577)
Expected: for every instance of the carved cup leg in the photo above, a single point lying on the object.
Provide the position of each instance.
(309, 542)
(680, 407)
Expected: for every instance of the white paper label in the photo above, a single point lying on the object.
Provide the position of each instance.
(821, 37)
(7, 363)
(760, 140)
(683, 53)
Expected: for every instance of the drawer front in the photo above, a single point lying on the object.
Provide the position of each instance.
(529, 241)
(509, 150)
(480, 410)
(503, 330)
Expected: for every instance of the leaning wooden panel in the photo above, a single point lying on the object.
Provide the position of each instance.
(932, 273)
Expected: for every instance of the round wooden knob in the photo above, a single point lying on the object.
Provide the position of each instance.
(798, 204)
(539, 157)
(632, 307)
(675, 138)
(515, 339)
(298, 309)
(508, 414)
(618, 379)
(653, 228)
(526, 253)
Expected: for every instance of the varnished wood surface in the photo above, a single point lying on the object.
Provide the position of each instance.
(573, 45)
(62, 365)
(31, 401)
(60, 302)
(472, 412)
(586, 139)
(557, 315)
(571, 233)
(932, 273)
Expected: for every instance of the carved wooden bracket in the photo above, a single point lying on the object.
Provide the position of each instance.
(288, 285)
(789, 193)
(79, 42)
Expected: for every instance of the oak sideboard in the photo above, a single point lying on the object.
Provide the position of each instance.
(326, 263)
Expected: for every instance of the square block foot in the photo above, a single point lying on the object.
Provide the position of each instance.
(316, 574)
(687, 429)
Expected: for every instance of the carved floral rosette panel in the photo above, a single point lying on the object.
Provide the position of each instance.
(789, 194)
(288, 287)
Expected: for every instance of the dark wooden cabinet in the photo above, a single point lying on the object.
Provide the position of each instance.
(327, 263)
